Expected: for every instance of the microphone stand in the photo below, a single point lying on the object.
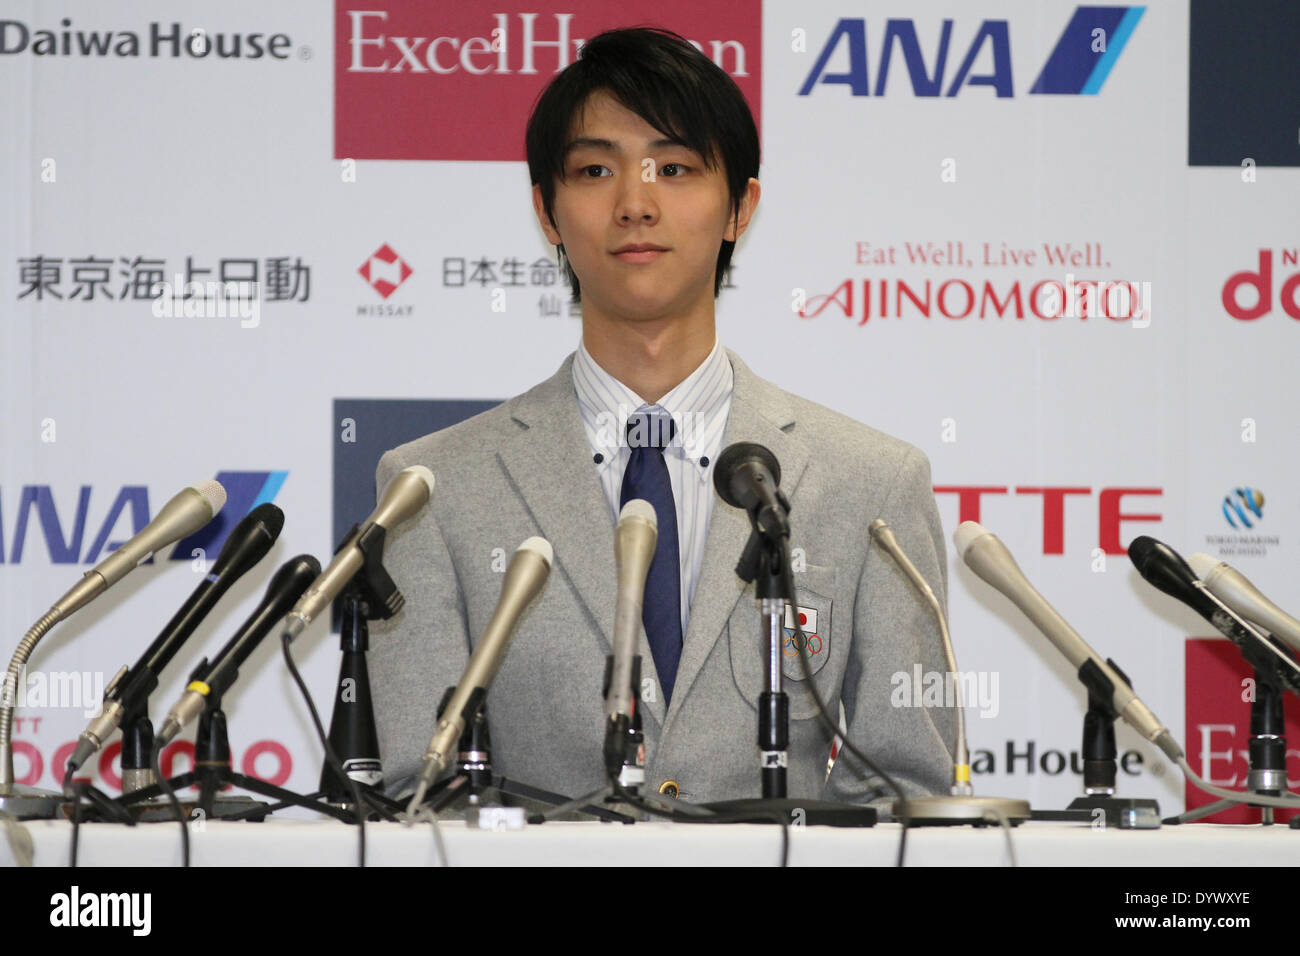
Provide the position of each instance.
(474, 786)
(1267, 749)
(1099, 768)
(762, 563)
(353, 733)
(212, 772)
(137, 745)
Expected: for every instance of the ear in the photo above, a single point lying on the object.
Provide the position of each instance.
(737, 225)
(552, 234)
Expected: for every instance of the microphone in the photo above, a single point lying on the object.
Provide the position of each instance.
(248, 543)
(989, 558)
(748, 476)
(211, 681)
(185, 514)
(525, 577)
(1235, 590)
(884, 536)
(635, 538)
(1165, 569)
(406, 494)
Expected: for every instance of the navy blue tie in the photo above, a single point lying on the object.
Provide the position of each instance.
(647, 477)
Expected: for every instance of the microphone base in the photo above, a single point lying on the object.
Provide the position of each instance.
(29, 803)
(796, 812)
(1124, 813)
(960, 811)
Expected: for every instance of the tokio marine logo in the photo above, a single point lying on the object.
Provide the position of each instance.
(1240, 503)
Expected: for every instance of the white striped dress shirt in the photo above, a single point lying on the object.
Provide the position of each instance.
(699, 407)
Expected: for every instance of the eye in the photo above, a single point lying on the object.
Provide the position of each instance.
(677, 170)
(600, 171)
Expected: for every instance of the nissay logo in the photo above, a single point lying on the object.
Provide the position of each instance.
(1262, 284)
(1082, 59)
(245, 490)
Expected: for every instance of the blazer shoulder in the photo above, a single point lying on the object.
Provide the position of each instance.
(475, 438)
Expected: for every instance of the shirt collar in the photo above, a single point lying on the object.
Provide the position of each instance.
(699, 405)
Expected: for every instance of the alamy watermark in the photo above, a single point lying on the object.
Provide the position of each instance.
(50, 690)
(209, 300)
(922, 688)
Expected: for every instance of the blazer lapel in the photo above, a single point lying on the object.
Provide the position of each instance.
(760, 413)
(545, 461)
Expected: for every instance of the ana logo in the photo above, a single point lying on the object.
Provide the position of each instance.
(245, 490)
(385, 270)
(1288, 296)
(1079, 64)
(1240, 503)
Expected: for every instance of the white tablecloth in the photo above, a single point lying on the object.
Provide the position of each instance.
(288, 842)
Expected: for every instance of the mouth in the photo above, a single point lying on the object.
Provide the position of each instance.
(639, 252)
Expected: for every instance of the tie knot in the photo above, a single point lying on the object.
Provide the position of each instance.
(650, 430)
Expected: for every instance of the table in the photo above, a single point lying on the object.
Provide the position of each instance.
(289, 842)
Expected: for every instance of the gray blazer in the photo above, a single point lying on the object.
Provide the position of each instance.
(524, 468)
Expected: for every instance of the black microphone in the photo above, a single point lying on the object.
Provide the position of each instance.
(748, 476)
(211, 680)
(1164, 568)
(248, 543)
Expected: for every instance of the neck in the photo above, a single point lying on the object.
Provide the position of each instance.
(651, 358)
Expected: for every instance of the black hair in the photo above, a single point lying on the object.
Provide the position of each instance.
(661, 77)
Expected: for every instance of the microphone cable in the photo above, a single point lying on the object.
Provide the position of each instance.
(689, 816)
(801, 644)
(156, 759)
(335, 764)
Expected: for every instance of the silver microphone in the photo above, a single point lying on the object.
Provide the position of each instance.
(989, 558)
(884, 536)
(1235, 590)
(634, 549)
(185, 514)
(525, 577)
(182, 516)
(406, 494)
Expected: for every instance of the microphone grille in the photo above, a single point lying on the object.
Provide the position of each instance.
(540, 547)
(966, 534)
(424, 473)
(271, 516)
(640, 508)
(1203, 565)
(1141, 550)
(213, 493)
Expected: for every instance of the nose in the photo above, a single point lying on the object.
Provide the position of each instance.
(636, 203)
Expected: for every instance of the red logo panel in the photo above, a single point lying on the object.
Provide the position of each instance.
(1218, 726)
(415, 80)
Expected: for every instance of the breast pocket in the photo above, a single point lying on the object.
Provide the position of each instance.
(827, 649)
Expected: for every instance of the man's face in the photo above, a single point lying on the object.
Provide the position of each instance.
(625, 185)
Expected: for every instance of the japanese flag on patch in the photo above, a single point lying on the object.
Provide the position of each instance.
(807, 619)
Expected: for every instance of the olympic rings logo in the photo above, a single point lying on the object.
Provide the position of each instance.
(794, 643)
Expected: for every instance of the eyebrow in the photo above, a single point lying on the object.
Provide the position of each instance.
(609, 146)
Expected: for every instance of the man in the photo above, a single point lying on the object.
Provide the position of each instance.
(643, 156)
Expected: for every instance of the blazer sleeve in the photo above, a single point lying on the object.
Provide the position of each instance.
(423, 649)
(894, 629)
